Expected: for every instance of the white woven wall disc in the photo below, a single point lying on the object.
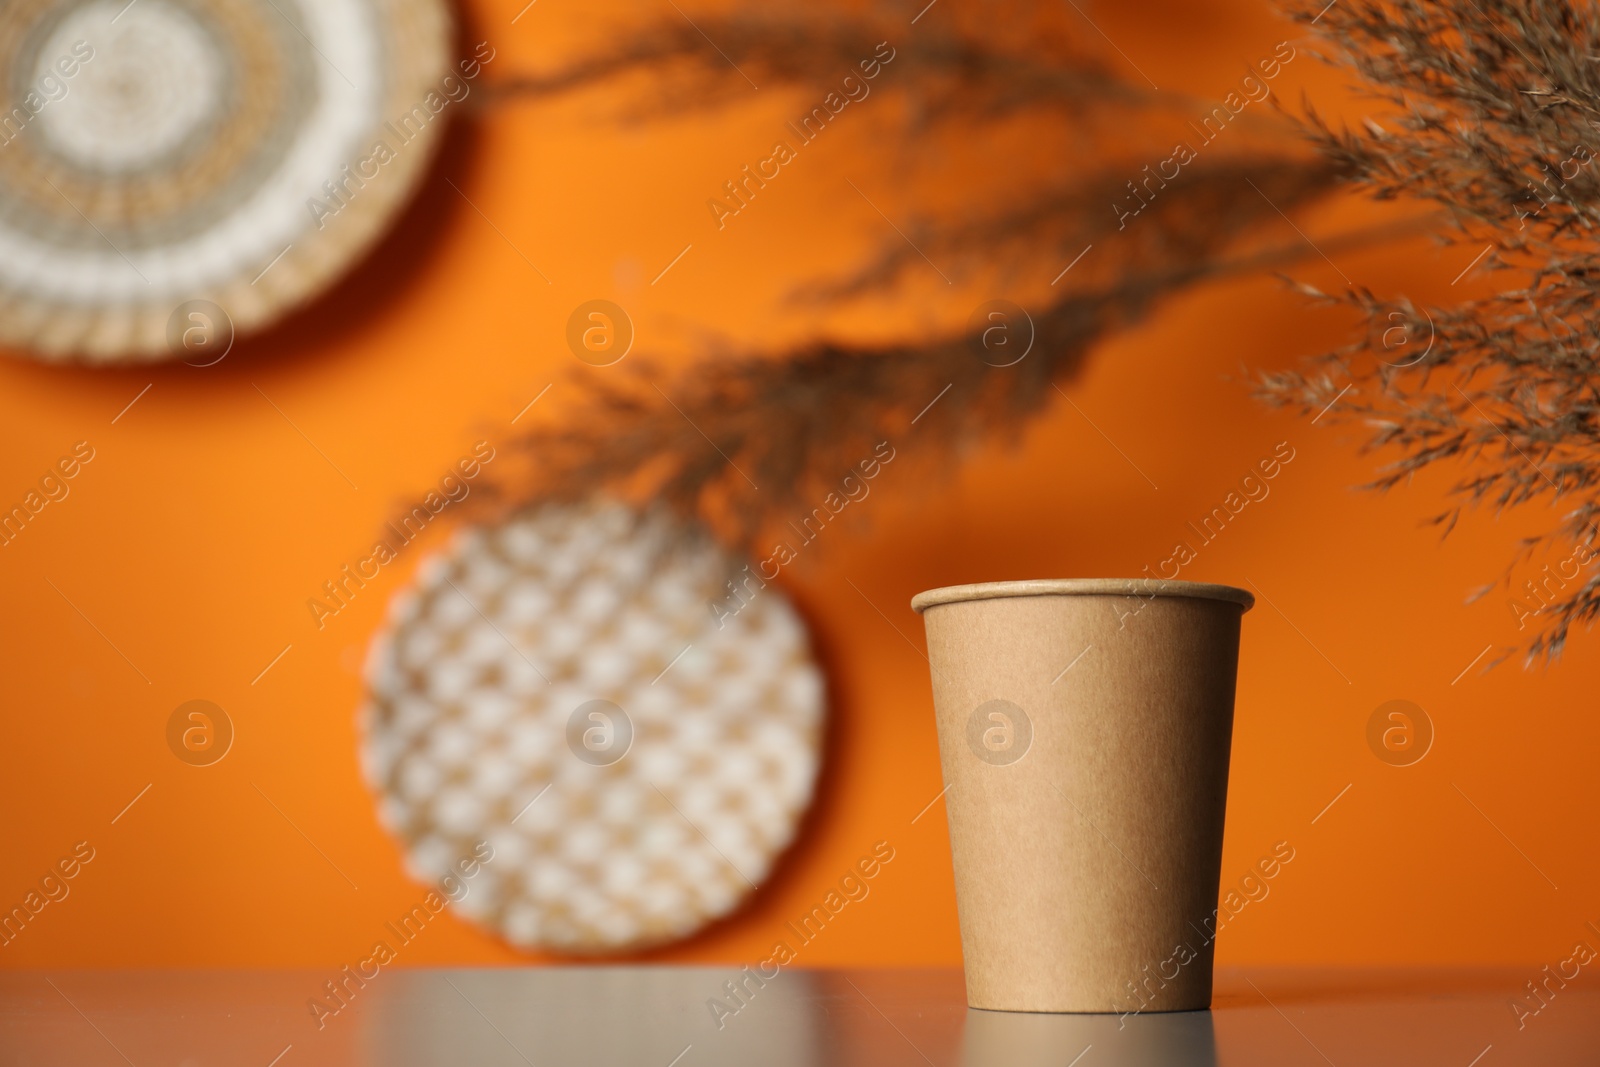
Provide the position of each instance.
(558, 687)
(164, 151)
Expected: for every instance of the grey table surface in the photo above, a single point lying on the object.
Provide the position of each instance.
(664, 1017)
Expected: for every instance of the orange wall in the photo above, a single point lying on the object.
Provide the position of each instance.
(205, 520)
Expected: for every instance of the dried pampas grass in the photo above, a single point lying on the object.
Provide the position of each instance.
(1493, 113)
(793, 420)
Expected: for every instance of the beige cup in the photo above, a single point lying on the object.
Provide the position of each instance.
(1084, 729)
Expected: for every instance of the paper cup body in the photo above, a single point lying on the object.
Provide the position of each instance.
(1084, 732)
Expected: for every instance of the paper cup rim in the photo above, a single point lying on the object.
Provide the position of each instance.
(1143, 587)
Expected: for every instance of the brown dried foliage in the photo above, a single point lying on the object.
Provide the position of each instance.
(1493, 112)
(752, 436)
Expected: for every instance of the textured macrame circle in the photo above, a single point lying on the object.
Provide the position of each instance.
(164, 151)
(559, 688)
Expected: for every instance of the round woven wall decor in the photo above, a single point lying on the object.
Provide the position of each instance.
(159, 152)
(559, 688)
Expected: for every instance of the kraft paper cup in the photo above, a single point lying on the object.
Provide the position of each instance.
(1084, 730)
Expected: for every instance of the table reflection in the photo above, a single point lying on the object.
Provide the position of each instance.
(670, 1017)
(1025, 1039)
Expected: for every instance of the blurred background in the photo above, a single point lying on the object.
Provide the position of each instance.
(223, 493)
